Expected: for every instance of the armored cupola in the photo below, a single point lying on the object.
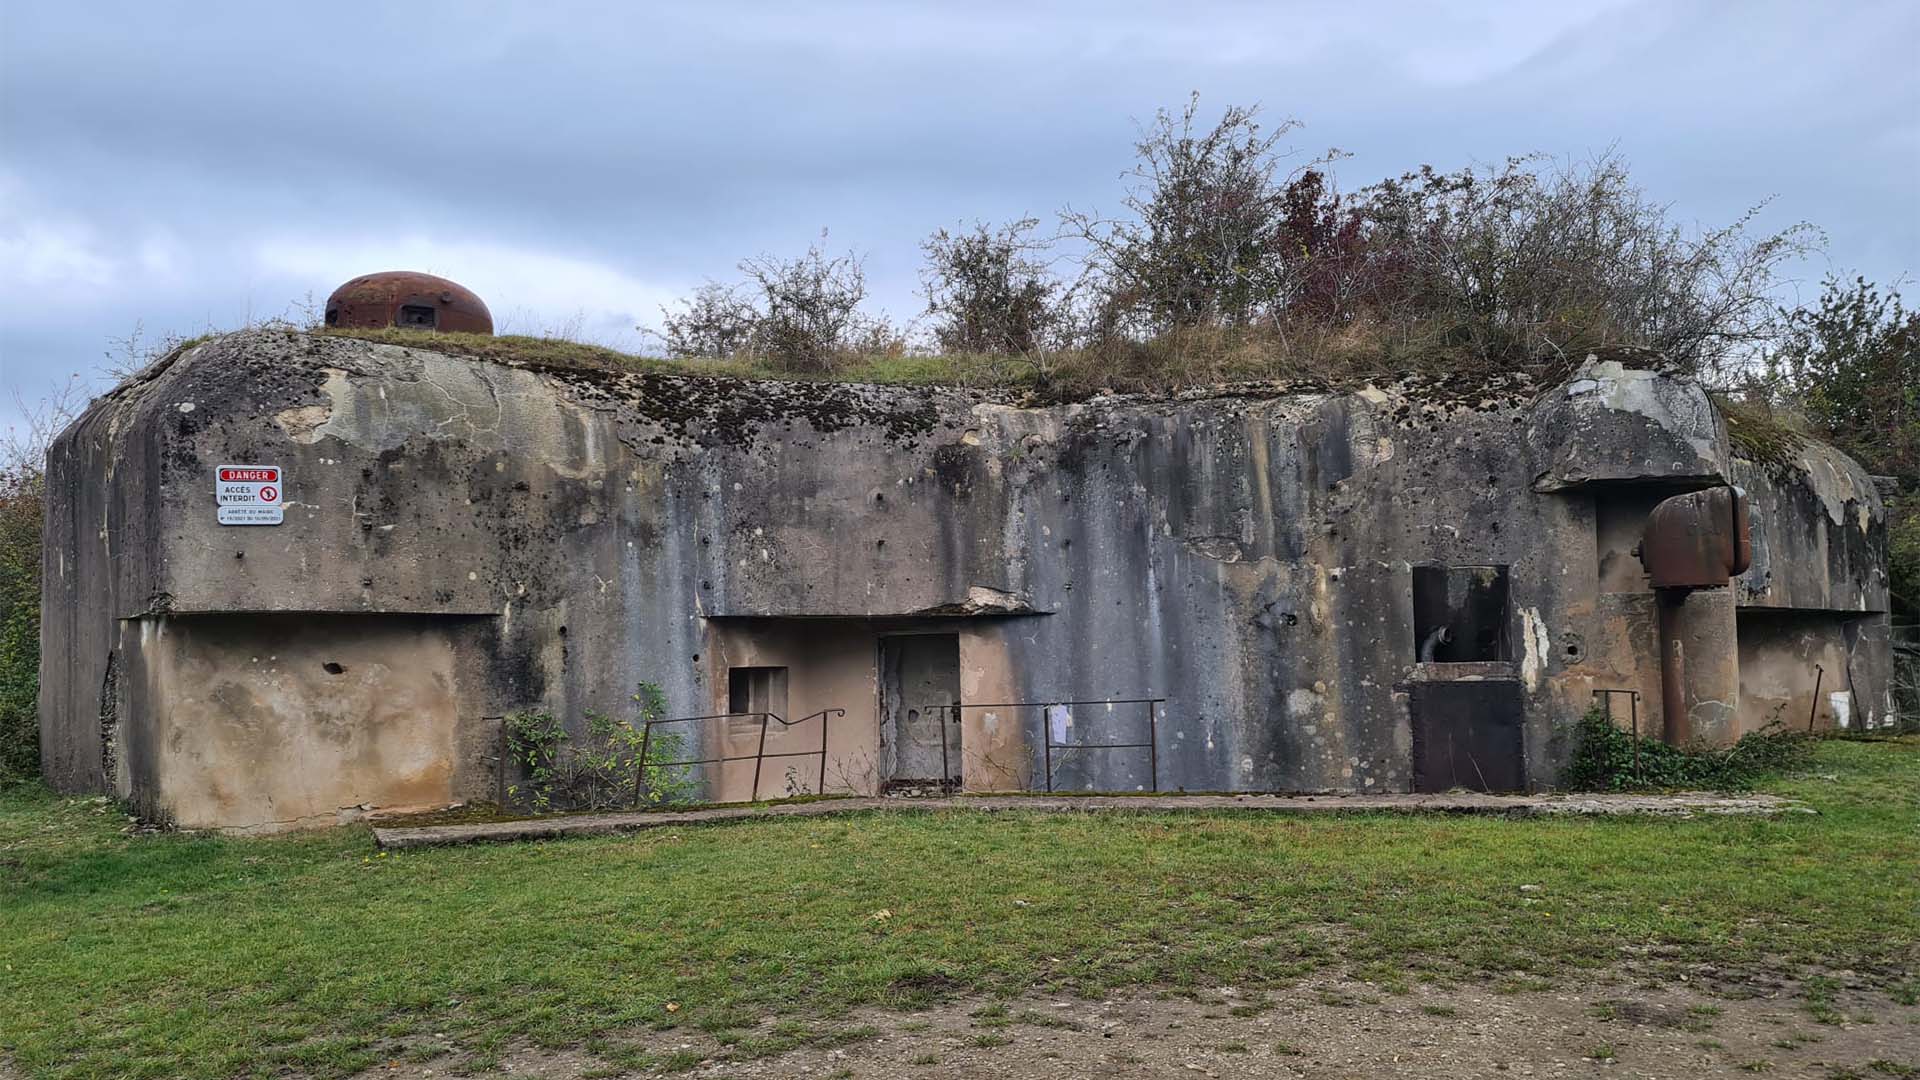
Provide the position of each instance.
(409, 300)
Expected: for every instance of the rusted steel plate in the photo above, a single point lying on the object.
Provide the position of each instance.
(1698, 540)
(409, 300)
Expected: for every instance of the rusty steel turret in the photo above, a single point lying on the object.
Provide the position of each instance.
(1698, 540)
(411, 301)
(1694, 545)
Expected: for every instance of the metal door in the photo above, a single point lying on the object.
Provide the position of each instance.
(1467, 734)
(917, 670)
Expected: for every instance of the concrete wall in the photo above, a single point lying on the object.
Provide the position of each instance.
(282, 720)
(1797, 672)
(549, 538)
(1814, 606)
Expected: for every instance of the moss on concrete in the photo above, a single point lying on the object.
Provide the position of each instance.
(1760, 437)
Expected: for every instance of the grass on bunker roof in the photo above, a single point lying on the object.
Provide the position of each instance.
(912, 369)
(312, 954)
(1195, 361)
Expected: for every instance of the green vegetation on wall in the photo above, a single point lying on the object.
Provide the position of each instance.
(1605, 758)
(20, 513)
(602, 769)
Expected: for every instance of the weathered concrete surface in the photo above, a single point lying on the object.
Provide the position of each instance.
(1464, 802)
(1811, 671)
(1814, 605)
(547, 539)
(276, 724)
(1617, 424)
(1816, 540)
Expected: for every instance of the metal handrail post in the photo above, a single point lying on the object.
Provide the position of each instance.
(640, 766)
(1046, 737)
(1153, 747)
(1633, 706)
(946, 767)
(759, 757)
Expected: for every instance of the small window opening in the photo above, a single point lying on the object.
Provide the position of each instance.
(333, 316)
(416, 315)
(1460, 614)
(332, 668)
(757, 690)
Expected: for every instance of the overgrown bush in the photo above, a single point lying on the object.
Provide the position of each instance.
(801, 315)
(21, 505)
(1604, 759)
(1850, 365)
(714, 323)
(1536, 263)
(603, 769)
(988, 291)
(1204, 236)
(23, 463)
(1228, 257)
(1224, 248)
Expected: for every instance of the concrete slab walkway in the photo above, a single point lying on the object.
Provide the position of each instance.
(1684, 804)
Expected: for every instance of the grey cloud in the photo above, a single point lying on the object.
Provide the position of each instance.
(663, 143)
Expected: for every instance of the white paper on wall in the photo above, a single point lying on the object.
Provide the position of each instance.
(1059, 723)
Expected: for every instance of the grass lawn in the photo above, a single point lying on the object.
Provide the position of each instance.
(183, 955)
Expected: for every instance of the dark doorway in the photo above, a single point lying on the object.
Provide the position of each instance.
(1467, 734)
(1460, 614)
(918, 744)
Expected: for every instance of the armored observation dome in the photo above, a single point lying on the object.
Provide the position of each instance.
(409, 300)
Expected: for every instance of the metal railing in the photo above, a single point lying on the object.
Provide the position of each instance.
(1151, 746)
(1633, 704)
(759, 757)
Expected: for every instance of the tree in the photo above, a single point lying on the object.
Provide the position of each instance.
(1204, 240)
(1851, 364)
(1853, 361)
(23, 461)
(988, 291)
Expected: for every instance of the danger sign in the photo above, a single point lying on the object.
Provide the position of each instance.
(249, 494)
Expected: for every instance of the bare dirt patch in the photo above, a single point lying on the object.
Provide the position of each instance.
(400, 832)
(1608, 1025)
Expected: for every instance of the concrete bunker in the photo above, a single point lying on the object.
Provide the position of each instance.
(1406, 586)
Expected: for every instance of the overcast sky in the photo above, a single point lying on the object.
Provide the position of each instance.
(187, 165)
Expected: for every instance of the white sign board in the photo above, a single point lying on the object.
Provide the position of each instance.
(1060, 724)
(250, 494)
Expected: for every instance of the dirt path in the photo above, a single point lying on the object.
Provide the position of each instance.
(396, 833)
(1604, 1027)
